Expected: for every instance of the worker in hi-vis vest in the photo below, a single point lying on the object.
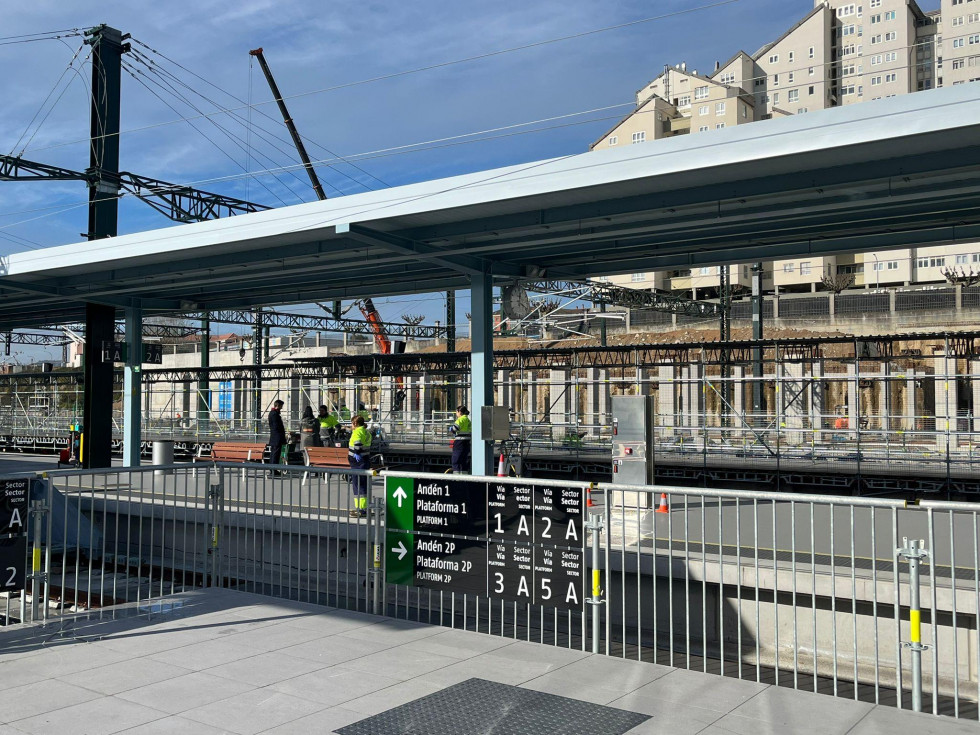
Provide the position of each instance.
(359, 458)
(327, 425)
(462, 430)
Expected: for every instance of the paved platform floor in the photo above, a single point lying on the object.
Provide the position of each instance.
(217, 661)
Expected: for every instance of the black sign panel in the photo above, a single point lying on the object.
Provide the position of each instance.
(511, 512)
(13, 563)
(457, 507)
(153, 353)
(510, 570)
(450, 564)
(558, 516)
(14, 497)
(559, 577)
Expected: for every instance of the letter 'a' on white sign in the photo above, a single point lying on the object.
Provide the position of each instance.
(523, 529)
(571, 597)
(572, 532)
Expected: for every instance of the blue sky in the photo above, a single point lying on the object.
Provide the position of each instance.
(316, 45)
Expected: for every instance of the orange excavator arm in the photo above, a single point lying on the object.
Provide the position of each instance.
(373, 318)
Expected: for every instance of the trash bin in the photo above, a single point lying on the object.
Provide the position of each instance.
(163, 453)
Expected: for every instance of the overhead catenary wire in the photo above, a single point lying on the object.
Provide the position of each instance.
(259, 111)
(430, 67)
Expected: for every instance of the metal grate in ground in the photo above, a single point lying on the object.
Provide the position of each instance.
(478, 706)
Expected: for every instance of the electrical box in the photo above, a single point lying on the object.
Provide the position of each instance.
(495, 423)
(632, 447)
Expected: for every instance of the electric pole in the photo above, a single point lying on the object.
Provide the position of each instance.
(103, 221)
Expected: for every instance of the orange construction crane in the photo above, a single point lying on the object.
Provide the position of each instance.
(372, 316)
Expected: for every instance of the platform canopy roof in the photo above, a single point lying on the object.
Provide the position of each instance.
(892, 173)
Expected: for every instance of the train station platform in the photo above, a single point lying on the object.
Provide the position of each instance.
(218, 661)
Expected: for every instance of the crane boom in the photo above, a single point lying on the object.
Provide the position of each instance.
(373, 318)
(297, 141)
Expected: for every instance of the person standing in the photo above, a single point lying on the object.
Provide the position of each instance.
(310, 429)
(359, 458)
(462, 431)
(327, 425)
(277, 433)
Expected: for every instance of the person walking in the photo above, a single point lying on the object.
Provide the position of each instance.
(277, 433)
(359, 458)
(310, 429)
(462, 431)
(327, 425)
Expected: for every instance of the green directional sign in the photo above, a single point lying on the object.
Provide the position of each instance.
(400, 558)
(400, 503)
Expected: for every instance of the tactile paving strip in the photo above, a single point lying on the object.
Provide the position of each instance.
(480, 707)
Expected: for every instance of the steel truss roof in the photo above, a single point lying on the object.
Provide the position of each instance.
(890, 173)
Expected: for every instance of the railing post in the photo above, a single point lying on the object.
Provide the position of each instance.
(912, 553)
(377, 508)
(39, 510)
(215, 498)
(595, 526)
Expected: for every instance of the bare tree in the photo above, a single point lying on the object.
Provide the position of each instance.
(413, 319)
(837, 282)
(961, 277)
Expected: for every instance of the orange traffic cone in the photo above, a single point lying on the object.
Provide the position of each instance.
(663, 508)
(588, 497)
(501, 472)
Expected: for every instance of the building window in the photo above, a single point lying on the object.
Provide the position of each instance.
(875, 60)
(637, 277)
(700, 93)
(875, 3)
(802, 111)
(811, 71)
(775, 80)
(811, 90)
(639, 137)
(812, 50)
(613, 139)
(893, 265)
(805, 268)
(891, 56)
(703, 129)
(845, 10)
(974, 39)
(876, 39)
(774, 59)
(775, 98)
(719, 126)
(958, 21)
(849, 89)
(793, 96)
(788, 267)
(876, 18)
(891, 35)
(745, 111)
(890, 78)
(850, 270)
(719, 108)
(890, 15)
(960, 259)
(791, 76)
(792, 56)
(930, 262)
(959, 63)
(703, 110)
(684, 101)
(875, 81)
(974, 18)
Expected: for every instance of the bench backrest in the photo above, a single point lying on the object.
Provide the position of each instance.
(326, 456)
(237, 452)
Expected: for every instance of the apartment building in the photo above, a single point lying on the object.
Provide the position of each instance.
(841, 52)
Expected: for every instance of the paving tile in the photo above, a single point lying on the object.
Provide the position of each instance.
(400, 663)
(883, 720)
(40, 697)
(709, 691)
(332, 622)
(334, 685)
(541, 653)
(325, 721)
(168, 725)
(147, 641)
(780, 710)
(598, 679)
(666, 717)
(104, 715)
(119, 677)
(461, 644)
(393, 696)
(276, 637)
(393, 632)
(266, 669)
(494, 666)
(335, 650)
(206, 654)
(182, 693)
(253, 711)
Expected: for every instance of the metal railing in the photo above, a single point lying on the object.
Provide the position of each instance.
(807, 591)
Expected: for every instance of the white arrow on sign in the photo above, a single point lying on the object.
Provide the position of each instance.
(399, 495)
(400, 550)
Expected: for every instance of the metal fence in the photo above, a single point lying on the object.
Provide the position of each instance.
(811, 592)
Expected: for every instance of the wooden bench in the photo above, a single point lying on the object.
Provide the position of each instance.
(240, 452)
(333, 457)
